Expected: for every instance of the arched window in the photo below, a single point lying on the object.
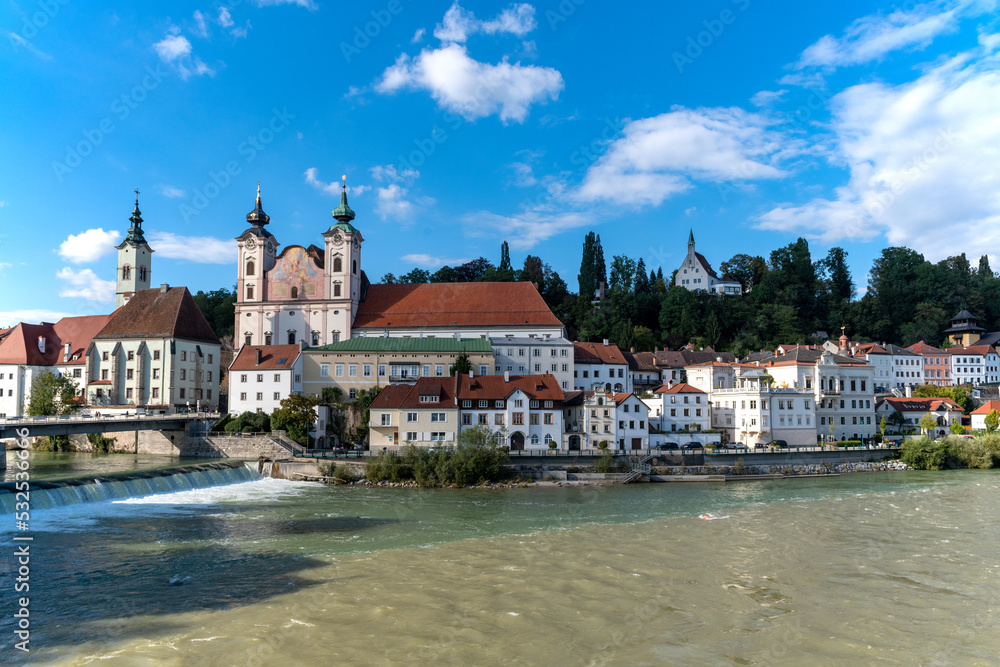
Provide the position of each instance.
(337, 265)
(534, 439)
(267, 338)
(248, 338)
(336, 336)
(295, 292)
(142, 273)
(126, 272)
(315, 338)
(249, 291)
(291, 338)
(354, 266)
(250, 268)
(336, 289)
(548, 438)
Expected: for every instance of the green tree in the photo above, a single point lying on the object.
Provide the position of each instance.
(219, 308)
(956, 427)
(927, 423)
(462, 365)
(749, 270)
(505, 259)
(642, 283)
(882, 426)
(643, 339)
(52, 394)
(896, 419)
(533, 271)
(414, 277)
(960, 394)
(294, 416)
(588, 278)
(992, 421)
(622, 274)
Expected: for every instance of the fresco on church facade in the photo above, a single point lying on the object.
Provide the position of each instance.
(295, 276)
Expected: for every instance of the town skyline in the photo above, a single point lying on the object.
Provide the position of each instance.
(714, 132)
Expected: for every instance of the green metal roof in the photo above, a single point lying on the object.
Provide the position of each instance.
(398, 344)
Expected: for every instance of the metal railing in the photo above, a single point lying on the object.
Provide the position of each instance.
(90, 419)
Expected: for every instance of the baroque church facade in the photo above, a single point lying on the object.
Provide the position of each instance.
(308, 294)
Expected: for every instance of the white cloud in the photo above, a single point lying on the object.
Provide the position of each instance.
(225, 18)
(871, 38)
(305, 4)
(172, 48)
(527, 229)
(200, 24)
(388, 172)
(418, 36)
(4, 265)
(459, 23)
(30, 316)
(430, 262)
(171, 191)
(392, 202)
(89, 246)
(471, 88)
(920, 157)
(329, 188)
(84, 284)
(765, 98)
(4, 203)
(18, 42)
(198, 249)
(524, 176)
(655, 158)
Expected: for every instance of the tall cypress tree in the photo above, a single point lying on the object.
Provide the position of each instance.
(641, 284)
(600, 269)
(505, 258)
(586, 278)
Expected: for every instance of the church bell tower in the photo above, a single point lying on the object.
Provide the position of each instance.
(134, 259)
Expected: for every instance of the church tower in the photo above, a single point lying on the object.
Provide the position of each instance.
(256, 256)
(342, 268)
(134, 259)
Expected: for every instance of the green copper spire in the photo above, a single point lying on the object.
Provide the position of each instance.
(135, 236)
(343, 213)
(691, 237)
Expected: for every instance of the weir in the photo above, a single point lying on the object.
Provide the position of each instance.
(60, 493)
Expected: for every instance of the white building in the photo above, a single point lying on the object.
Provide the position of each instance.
(534, 355)
(600, 367)
(763, 413)
(262, 375)
(975, 364)
(944, 411)
(527, 408)
(907, 367)
(679, 408)
(697, 275)
(633, 422)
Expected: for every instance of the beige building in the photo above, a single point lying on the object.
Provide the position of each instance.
(362, 363)
(422, 414)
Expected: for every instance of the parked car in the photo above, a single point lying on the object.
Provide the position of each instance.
(663, 446)
(738, 446)
(780, 444)
(692, 445)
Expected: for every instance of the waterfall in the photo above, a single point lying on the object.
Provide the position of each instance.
(47, 495)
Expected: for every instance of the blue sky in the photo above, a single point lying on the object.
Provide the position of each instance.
(459, 126)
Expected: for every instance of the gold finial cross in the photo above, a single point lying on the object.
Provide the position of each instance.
(136, 191)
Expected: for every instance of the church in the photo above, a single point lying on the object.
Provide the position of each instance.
(320, 295)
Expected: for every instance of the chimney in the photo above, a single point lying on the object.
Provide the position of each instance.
(631, 350)
(41, 344)
(67, 350)
(260, 356)
(163, 288)
(470, 373)
(506, 376)
(606, 342)
(909, 391)
(719, 359)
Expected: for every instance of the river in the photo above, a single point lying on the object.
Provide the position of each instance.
(896, 568)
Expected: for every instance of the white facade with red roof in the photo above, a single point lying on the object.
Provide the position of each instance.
(977, 418)
(697, 275)
(944, 410)
(679, 407)
(975, 364)
(762, 412)
(632, 427)
(527, 408)
(261, 375)
(937, 363)
(600, 366)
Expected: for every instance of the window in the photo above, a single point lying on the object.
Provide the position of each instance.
(128, 393)
(517, 419)
(260, 376)
(466, 420)
(77, 373)
(484, 419)
(277, 395)
(338, 265)
(520, 351)
(426, 370)
(260, 396)
(483, 403)
(243, 396)
(547, 418)
(250, 268)
(411, 416)
(498, 419)
(386, 418)
(182, 392)
(533, 419)
(352, 370)
(104, 374)
(532, 404)
(324, 371)
(156, 392)
(439, 416)
(437, 435)
(338, 370)
(352, 393)
(483, 369)
(411, 436)
(156, 355)
(381, 370)
(439, 370)
(538, 368)
(565, 368)
(209, 376)
(498, 405)
(128, 374)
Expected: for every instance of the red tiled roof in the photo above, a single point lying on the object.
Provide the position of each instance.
(597, 353)
(622, 397)
(20, 345)
(271, 356)
(679, 388)
(986, 408)
(908, 404)
(152, 313)
(683, 357)
(641, 361)
(971, 349)
(493, 387)
(398, 396)
(924, 348)
(705, 265)
(453, 304)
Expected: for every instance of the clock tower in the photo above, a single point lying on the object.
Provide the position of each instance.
(342, 269)
(134, 259)
(256, 252)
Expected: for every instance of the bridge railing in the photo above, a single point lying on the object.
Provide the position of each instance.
(89, 419)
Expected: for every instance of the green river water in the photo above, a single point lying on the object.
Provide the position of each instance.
(889, 568)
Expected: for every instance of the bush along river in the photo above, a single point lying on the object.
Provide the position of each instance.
(894, 567)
